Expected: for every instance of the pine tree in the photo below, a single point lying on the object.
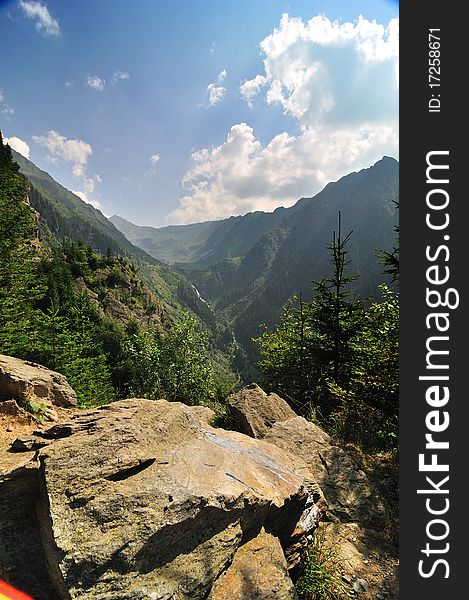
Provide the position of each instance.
(390, 260)
(338, 317)
(314, 345)
(20, 286)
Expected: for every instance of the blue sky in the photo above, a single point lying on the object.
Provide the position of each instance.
(184, 111)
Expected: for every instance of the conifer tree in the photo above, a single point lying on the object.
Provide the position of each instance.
(20, 286)
(314, 345)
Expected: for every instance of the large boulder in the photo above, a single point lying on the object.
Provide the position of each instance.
(351, 502)
(143, 499)
(347, 490)
(258, 572)
(35, 386)
(21, 555)
(256, 412)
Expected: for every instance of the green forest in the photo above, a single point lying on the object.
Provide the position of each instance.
(334, 357)
(46, 318)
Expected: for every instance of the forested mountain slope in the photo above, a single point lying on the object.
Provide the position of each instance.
(201, 245)
(252, 289)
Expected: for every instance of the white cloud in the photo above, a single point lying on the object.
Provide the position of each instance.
(45, 23)
(154, 160)
(83, 196)
(120, 76)
(338, 81)
(241, 175)
(90, 183)
(216, 92)
(95, 83)
(252, 87)
(19, 145)
(5, 109)
(68, 84)
(212, 48)
(323, 72)
(60, 148)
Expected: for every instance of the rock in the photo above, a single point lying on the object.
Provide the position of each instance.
(142, 499)
(360, 585)
(347, 490)
(258, 571)
(22, 561)
(203, 413)
(25, 381)
(255, 411)
(347, 496)
(11, 408)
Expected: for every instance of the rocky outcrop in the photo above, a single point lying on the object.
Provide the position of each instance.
(30, 384)
(353, 514)
(256, 412)
(143, 499)
(346, 489)
(21, 554)
(258, 572)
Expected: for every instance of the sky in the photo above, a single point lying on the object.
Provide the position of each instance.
(193, 110)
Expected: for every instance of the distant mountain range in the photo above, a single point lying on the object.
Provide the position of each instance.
(247, 267)
(201, 244)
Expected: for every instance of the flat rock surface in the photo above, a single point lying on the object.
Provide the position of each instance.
(142, 499)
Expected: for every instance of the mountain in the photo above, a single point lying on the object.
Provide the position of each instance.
(64, 217)
(268, 257)
(200, 245)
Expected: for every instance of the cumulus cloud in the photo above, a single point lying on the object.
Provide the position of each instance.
(19, 145)
(216, 91)
(252, 87)
(338, 81)
(154, 158)
(83, 196)
(44, 22)
(120, 76)
(242, 175)
(95, 83)
(60, 148)
(325, 72)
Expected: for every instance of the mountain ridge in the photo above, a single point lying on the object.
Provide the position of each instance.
(201, 245)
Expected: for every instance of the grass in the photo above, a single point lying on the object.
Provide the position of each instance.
(319, 579)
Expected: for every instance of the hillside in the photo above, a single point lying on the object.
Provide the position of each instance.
(268, 257)
(201, 245)
(136, 287)
(65, 217)
(286, 260)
